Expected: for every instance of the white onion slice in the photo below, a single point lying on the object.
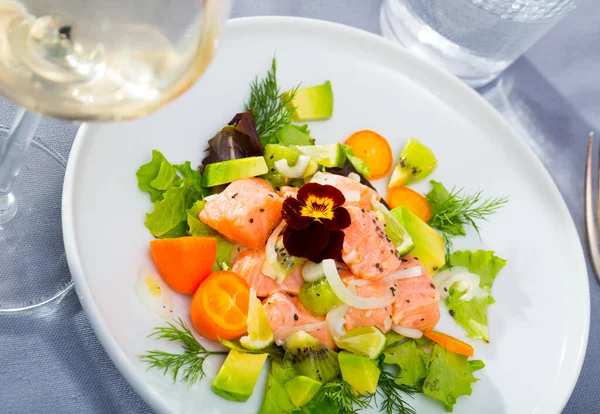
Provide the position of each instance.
(467, 282)
(408, 332)
(281, 334)
(268, 267)
(414, 271)
(311, 272)
(336, 321)
(354, 176)
(297, 170)
(346, 295)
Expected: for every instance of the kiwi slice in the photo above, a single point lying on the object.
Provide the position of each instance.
(286, 260)
(318, 297)
(311, 358)
(416, 162)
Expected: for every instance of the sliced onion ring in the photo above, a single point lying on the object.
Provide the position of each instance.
(336, 321)
(346, 295)
(408, 332)
(467, 282)
(297, 170)
(268, 267)
(414, 271)
(311, 272)
(281, 334)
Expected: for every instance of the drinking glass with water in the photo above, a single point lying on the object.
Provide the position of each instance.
(473, 39)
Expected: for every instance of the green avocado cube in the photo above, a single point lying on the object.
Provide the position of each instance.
(313, 104)
(301, 389)
(225, 172)
(359, 371)
(429, 245)
(238, 375)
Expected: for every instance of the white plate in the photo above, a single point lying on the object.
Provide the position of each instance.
(539, 325)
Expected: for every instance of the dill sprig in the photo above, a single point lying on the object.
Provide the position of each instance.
(189, 364)
(268, 104)
(459, 209)
(392, 395)
(344, 396)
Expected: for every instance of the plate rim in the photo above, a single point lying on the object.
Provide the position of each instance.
(109, 343)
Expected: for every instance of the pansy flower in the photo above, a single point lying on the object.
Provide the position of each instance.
(315, 219)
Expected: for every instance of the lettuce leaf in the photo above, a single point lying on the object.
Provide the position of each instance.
(173, 189)
(237, 140)
(412, 361)
(156, 176)
(168, 214)
(481, 262)
(450, 375)
(472, 315)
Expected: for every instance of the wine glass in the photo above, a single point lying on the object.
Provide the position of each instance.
(107, 60)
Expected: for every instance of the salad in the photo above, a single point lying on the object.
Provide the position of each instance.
(291, 258)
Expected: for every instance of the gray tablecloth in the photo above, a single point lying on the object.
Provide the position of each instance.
(50, 359)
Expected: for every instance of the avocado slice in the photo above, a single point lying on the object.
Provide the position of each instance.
(313, 104)
(416, 162)
(238, 375)
(429, 245)
(359, 371)
(225, 172)
(330, 155)
(301, 389)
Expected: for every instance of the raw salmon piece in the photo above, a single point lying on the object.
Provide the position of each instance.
(249, 265)
(347, 185)
(286, 192)
(417, 300)
(284, 312)
(355, 318)
(367, 250)
(246, 212)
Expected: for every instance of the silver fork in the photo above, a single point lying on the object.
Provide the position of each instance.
(591, 229)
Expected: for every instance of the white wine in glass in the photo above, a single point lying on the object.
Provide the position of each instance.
(102, 60)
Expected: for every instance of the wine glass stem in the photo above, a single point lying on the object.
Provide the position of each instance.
(11, 158)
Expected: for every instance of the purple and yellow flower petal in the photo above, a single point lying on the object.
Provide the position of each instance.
(291, 212)
(308, 243)
(341, 220)
(314, 222)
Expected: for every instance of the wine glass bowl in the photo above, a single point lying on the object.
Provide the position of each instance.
(108, 60)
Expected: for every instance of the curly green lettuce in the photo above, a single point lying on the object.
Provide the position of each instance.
(449, 376)
(472, 315)
(173, 189)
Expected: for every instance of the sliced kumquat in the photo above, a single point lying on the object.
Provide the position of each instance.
(220, 306)
(374, 150)
(415, 202)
